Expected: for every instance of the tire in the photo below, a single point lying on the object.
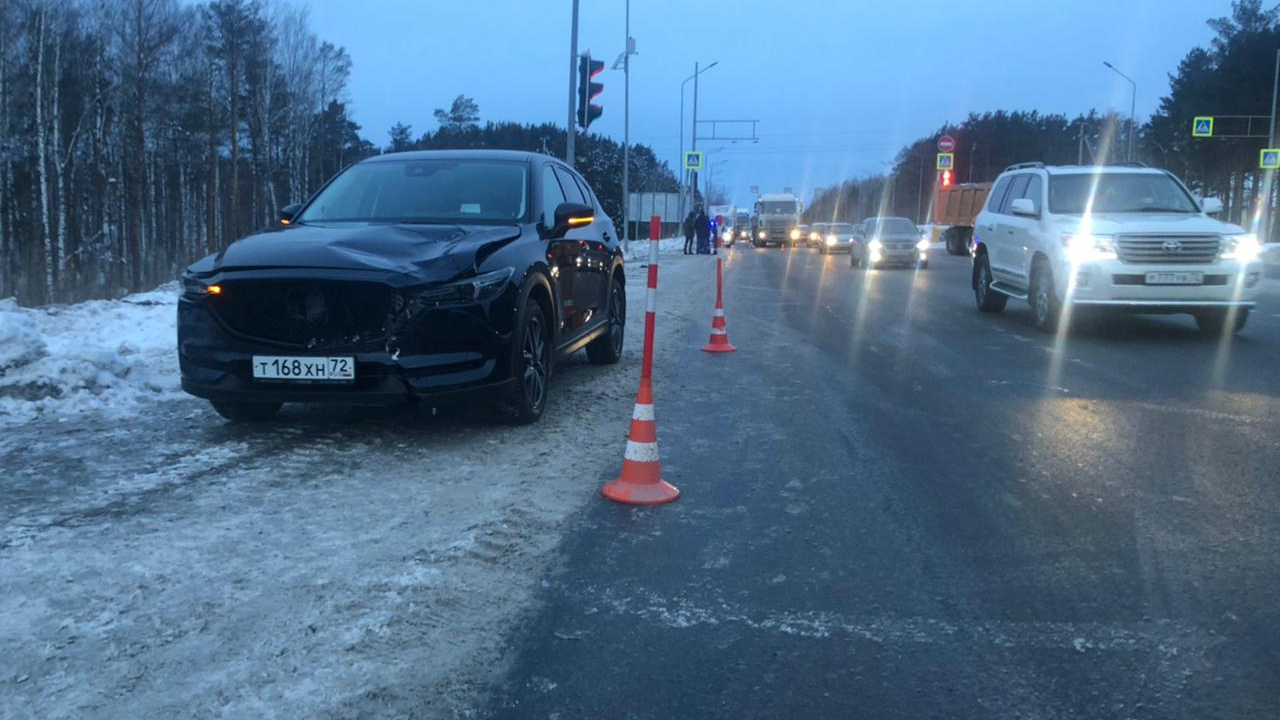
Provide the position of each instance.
(607, 349)
(246, 412)
(988, 300)
(531, 364)
(1214, 322)
(953, 242)
(1046, 309)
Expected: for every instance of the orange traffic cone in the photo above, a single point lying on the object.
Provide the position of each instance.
(719, 342)
(641, 480)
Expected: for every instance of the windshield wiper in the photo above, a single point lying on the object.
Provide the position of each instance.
(1162, 210)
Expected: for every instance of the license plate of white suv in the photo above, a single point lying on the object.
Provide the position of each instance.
(1175, 278)
(304, 369)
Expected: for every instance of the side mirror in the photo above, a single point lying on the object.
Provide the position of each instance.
(1024, 206)
(1212, 206)
(571, 215)
(288, 212)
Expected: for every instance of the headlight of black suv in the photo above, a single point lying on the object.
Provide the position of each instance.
(473, 289)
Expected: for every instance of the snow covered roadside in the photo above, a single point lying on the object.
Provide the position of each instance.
(106, 356)
(338, 563)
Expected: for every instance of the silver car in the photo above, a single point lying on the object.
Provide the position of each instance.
(836, 237)
(881, 241)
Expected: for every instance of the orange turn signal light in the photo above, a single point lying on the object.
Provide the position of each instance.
(214, 289)
(284, 222)
(573, 222)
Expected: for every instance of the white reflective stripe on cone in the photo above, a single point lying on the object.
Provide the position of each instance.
(641, 452)
(718, 313)
(643, 411)
(718, 331)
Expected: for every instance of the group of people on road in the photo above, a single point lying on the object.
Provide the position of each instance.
(698, 225)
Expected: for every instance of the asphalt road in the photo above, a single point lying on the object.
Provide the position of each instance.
(897, 507)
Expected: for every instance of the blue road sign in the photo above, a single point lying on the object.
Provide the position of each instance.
(693, 160)
(1270, 159)
(1202, 126)
(946, 161)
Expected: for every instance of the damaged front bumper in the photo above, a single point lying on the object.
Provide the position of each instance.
(407, 343)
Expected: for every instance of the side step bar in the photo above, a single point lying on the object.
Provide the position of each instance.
(1004, 289)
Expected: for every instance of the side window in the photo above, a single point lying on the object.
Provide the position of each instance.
(586, 191)
(1035, 192)
(1016, 191)
(571, 189)
(997, 194)
(552, 195)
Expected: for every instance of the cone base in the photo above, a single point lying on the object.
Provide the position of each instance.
(721, 348)
(647, 493)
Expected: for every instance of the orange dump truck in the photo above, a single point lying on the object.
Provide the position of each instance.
(953, 214)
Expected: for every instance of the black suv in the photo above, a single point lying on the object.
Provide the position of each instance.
(410, 276)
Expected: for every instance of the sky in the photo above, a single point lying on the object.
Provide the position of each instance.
(838, 86)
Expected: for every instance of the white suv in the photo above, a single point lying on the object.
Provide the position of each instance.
(1125, 237)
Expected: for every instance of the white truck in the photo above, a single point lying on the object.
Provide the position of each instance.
(777, 220)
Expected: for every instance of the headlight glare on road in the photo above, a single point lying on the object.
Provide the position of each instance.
(1085, 247)
(1244, 248)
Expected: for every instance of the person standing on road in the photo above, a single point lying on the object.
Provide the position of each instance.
(688, 233)
(702, 227)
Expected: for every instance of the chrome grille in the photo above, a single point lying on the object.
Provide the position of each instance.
(1168, 249)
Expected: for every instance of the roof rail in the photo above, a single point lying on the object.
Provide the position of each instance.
(1024, 166)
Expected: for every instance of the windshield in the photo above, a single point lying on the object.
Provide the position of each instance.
(778, 207)
(891, 226)
(1117, 193)
(841, 228)
(424, 191)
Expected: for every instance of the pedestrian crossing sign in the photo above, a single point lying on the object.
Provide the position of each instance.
(693, 160)
(946, 161)
(1202, 126)
(1270, 159)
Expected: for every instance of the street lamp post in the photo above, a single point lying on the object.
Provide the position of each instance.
(1133, 105)
(684, 176)
(571, 133)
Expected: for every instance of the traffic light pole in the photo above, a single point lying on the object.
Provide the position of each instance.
(626, 131)
(693, 176)
(570, 131)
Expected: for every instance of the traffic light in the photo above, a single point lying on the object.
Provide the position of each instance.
(588, 90)
(946, 178)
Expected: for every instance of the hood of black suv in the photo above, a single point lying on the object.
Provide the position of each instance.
(430, 252)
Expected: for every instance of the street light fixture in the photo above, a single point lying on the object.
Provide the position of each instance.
(1133, 105)
(694, 77)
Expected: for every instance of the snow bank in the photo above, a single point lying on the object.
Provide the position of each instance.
(639, 249)
(98, 356)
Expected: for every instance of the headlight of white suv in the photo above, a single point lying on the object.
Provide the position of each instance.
(875, 245)
(1244, 248)
(831, 239)
(1085, 247)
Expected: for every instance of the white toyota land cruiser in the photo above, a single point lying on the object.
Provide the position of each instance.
(1124, 237)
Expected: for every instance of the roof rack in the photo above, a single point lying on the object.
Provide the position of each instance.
(1024, 166)
(1128, 163)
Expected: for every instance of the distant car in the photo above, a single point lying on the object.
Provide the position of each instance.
(816, 232)
(881, 241)
(1121, 238)
(417, 276)
(837, 237)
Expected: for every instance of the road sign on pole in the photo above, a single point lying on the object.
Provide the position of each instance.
(946, 160)
(1269, 159)
(693, 160)
(1202, 126)
(946, 144)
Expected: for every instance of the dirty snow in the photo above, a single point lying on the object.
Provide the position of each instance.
(347, 562)
(102, 356)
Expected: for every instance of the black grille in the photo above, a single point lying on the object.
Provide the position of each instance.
(314, 314)
(1170, 249)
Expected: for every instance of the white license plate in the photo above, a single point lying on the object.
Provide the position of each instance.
(1175, 278)
(304, 369)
